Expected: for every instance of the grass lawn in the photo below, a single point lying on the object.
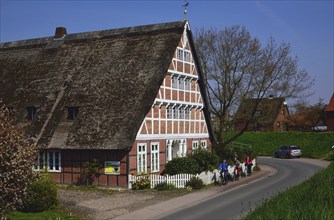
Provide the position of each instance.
(57, 214)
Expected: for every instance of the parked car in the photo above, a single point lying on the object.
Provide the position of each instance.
(288, 151)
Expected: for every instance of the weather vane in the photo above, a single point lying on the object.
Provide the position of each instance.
(185, 9)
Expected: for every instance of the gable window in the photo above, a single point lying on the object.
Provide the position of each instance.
(155, 163)
(169, 112)
(187, 84)
(40, 161)
(175, 113)
(141, 158)
(181, 113)
(31, 112)
(257, 113)
(187, 113)
(181, 83)
(72, 113)
(53, 158)
(174, 82)
(187, 56)
(180, 54)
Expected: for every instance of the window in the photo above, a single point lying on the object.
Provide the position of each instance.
(155, 164)
(180, 54)
(187, 113)
(195, 145)
(187, 56)
(72, 113)
(181, 83)
(257, 113)
(40, 161)
(187, 84)
(169, 112)
(53, 161)
(141, 158)
(175, 113)
(203, 144)
(181, 113)
(174, 82)
(31, 110)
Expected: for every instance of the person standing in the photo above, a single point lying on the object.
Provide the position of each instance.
(249, 164)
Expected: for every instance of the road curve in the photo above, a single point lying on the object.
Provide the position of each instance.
(237, 198)
(235, 203)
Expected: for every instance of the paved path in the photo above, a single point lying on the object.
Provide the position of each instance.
(167, 207)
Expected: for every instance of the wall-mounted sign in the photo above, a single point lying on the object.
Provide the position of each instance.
(112, 167)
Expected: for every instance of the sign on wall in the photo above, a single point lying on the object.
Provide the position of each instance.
(112, 167)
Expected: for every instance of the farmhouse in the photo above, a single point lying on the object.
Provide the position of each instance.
(132, 98)
(270, 114)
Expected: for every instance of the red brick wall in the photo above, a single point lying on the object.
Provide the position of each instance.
(72, 163)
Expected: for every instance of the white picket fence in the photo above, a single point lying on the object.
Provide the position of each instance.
(180, 180)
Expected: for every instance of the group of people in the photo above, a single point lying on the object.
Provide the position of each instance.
(237, 167)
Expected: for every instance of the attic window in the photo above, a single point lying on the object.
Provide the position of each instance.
(180, 54)
(72, 113)
(31, 112)
(257, 113)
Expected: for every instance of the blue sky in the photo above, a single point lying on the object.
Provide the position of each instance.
(306, 25)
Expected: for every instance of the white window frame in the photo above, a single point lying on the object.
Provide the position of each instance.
(187, 84)
(182, 113)
(186, 113)
(181, 83)
(180, 53)
(169, 110)
(141, 158)
(53, 168)
(174, 82)
(186, 56)
(40, 161)
(203, 144)
(155, 157)
(194, 145)
(175, 113)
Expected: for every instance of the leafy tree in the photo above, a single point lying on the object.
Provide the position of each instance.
(236, 67)
(206, 160)
(17, 157)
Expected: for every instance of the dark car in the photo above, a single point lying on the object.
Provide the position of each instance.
(288, 151)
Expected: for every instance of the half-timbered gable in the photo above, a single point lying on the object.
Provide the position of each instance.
(132, 98)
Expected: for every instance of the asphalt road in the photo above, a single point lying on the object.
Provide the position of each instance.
(236, 202)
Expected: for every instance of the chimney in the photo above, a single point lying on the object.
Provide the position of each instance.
(60, 33)
(271, 97)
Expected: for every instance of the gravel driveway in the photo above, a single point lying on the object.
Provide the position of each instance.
(98, 205)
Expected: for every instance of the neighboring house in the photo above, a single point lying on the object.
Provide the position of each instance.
(330, 114)
(270, 115)
(133, 98)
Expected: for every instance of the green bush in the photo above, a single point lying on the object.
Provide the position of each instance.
(330, 155)
(165, 186)
(206, 160)
(41, 195)
(195, 183)
(181, 165)
(144, 183)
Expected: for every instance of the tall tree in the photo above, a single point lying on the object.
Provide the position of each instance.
(237, 67)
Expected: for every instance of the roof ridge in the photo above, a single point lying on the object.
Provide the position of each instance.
(96, 34)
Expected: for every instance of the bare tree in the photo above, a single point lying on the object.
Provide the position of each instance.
(237, 67)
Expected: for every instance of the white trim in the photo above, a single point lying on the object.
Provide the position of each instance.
(170, 136)
(54, 161)
(143, 154)
(155, 154)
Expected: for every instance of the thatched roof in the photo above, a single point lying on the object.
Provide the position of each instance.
(266, 111)
(113, 76)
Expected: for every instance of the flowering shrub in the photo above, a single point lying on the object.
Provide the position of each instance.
(144, 183)
(17, 157)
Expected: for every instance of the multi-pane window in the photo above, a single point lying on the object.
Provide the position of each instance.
(180, 54)
(181, 83)
(187, 113)
(181, 113)
(155, 164)
(31, 112)
(141, 158)
(40, 161)
(187, 84)
(169, 112)
(187, 56)
(72, 113)
(203, 144)
(195, 145)
(175, 113)
(53, 158)
(174, 82)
